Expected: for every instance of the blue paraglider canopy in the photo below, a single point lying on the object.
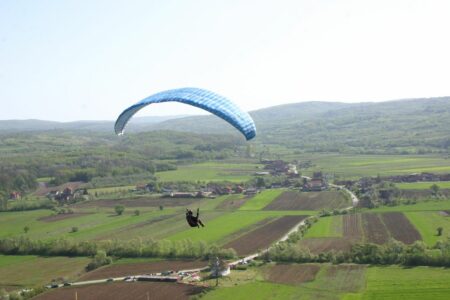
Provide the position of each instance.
(203, 99)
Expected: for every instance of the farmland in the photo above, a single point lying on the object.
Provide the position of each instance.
(142, 267)
(210, 171)
(262, 237)
(423, 185)
(38, 270)
(427, 224)
(261, 200)
(309, 201)
(124, 290)
(351, 166)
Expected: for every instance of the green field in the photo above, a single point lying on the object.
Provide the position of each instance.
(326, 227)
(210, 171)
(423, 185)
(354, 166)
(17, 272)
(427, 223)
(407, 283)
(429, 205)
(261, 200)
(336, 282)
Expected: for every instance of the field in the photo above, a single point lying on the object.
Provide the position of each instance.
(326, 227)
(427, 224)
(262, 237)
(292, 273)
(124, 290)
(423, 185)
(17, 272)
(351, 166)
(309, 201)
(210, 171)
(407, 283)
(261, 200)
(139, 268)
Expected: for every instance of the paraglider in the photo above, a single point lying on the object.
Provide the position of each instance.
(192, 220)
(200, 98)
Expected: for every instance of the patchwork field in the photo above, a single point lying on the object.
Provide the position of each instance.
(378, 228)
(290, 200)
(124, 291)
(139, 268)
(139, 202)
(262, 237)
(17, 272)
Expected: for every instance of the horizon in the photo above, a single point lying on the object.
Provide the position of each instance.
(201, 112)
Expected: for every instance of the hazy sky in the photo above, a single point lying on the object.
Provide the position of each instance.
(70, 60)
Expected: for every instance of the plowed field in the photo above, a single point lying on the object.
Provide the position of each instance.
(352, 227)
(120, 270)
(374, 230)
(308, 201)
(400, 227)
(292, 273)
(262, 237)
(124, 291)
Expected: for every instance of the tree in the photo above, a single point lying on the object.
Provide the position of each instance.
(119, 209)
(26, 229)
(434, 190)
(137, 212)
(161, 207)
(74, 229)
(100, 259)
(439, 231)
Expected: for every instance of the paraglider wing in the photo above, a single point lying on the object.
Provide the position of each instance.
(203, 99)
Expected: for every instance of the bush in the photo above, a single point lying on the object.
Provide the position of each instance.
(119, 209)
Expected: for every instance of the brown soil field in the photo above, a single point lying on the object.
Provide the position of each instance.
(120, 270)
(374, 229)
(308, 201)
(400, 227)
(139, 202)
(318, 245)
(233, 203)
(352, 226)
(59, 217)
(262, 237)
(292, 273)
(124, 291)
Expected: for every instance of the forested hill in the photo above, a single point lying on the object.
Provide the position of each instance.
(402, 126)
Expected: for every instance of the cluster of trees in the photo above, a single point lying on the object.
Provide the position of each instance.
(22, 205)
(132, 248)
(394, 252)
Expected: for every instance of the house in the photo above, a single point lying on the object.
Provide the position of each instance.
(316, 184)
(14, 195)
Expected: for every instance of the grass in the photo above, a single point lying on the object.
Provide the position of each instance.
(423, 185)
(255, 290)
(407, 283)
(17, 272)
(210, 171)
(353, 166)
(326, 227)
(261, 200)
(427, 223)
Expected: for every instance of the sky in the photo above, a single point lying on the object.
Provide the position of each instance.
(89, 60)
